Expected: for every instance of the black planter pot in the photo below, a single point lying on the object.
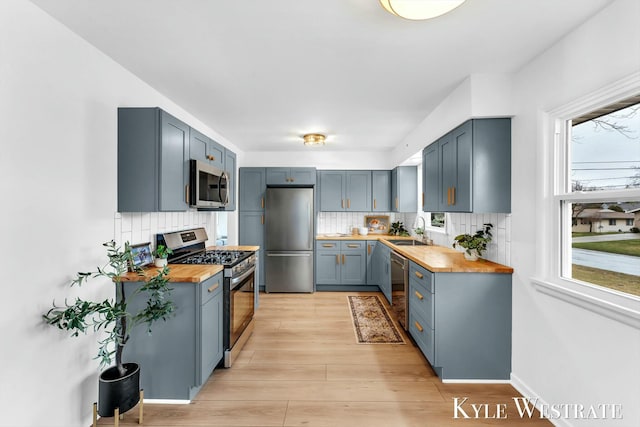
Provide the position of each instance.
(118, 392)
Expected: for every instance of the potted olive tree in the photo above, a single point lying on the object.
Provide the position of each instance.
(119, 385)
(476, 244)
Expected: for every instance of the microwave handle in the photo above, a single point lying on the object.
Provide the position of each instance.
(226, 195)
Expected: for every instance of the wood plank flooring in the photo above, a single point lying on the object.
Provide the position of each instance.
(303, 367)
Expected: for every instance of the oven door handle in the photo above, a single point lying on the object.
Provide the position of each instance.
(236, 280)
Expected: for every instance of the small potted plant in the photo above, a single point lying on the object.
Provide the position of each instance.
(476, 244)
(161, 253)
(119, 385)
(397, 229)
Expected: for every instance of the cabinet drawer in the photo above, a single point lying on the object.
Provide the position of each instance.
(421, 275)
(353, 245)
(210, 288)
(421, 302)
(423, 336)
(327, 245)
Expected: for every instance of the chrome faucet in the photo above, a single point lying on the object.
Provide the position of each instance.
(424, 226)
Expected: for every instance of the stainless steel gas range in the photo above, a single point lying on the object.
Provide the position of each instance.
(188, 247)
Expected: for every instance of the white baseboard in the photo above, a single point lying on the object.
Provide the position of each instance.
(527, 391)
(477, 381)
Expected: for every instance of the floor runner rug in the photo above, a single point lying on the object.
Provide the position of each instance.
(371, 321)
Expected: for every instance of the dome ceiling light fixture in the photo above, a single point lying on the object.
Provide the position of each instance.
(314, 139)
(416, 10)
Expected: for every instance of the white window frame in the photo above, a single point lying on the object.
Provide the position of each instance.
(554, 246)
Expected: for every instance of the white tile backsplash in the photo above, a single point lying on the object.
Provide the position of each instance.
(135, 227)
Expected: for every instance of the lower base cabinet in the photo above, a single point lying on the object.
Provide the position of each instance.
(182, 352)
(341, 264)
(462, 322)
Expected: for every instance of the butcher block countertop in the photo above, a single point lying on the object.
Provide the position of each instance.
(437, 259)
(193, 273)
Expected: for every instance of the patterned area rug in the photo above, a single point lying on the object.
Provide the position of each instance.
(372, 322)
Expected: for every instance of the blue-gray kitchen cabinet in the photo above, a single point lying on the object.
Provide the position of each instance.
(230, 168)
(371, 274)
(341, 262)
(153, 155)
(345, 190)
(404, 189)
(462, 322)
(252, 186)
(179, 355)
(379, 269)
(205, 149)
(291, 176)
(473, 170)
(380, 191)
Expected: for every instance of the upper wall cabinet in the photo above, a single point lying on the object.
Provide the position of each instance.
(469, 169)
(205, 149)
(404, 189)
(153, 154)
(291, 176)
(252, 189)
(345, 190)
(381, 191)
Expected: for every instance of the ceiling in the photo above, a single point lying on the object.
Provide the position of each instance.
(263, 73)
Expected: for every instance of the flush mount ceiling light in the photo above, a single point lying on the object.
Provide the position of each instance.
(314, 139)
(420, 9)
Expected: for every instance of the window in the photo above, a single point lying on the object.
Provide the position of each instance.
(599, 183)
(437, 219)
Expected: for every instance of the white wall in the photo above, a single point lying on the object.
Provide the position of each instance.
(58, 103)
(316, 157)
(564, 353)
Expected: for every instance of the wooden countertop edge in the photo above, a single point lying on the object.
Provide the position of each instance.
(458, 264)
(188, 273)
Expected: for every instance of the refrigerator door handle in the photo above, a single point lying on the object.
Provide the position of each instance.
(306, 255)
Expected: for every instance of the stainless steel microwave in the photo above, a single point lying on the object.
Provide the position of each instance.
(209, 186)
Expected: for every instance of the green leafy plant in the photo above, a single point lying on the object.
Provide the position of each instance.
(477, 241)
(419, 231)
(397, 229)
(162, 251)
(112, 315)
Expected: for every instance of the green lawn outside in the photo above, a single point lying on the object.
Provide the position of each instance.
(609, 279)
(623, 247)
(585, 234)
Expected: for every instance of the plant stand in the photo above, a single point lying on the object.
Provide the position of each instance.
(117, 416)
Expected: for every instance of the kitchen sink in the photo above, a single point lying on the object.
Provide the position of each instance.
(407, 242)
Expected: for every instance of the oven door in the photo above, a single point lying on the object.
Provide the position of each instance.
(241, 300)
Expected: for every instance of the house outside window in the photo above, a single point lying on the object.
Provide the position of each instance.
(597, 191)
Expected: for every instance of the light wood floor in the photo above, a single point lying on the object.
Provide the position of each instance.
(303, 367)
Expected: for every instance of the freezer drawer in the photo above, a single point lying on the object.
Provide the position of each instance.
(289, 271)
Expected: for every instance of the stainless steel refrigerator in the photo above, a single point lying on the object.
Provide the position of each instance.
(289, 240)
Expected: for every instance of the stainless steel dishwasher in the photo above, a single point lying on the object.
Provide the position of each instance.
(400, 288)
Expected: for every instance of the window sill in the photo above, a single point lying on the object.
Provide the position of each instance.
(595, 304)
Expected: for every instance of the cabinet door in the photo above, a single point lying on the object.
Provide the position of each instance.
(303, 176)
(211, 328)
(174, 170)
(430, 179)
(251, 233)
(372, 278)
(404, 184)
(358, 191)
(332, 191)
(252, 186)
(278, 176)
(354, 265)
(328, 267)
(198, 146)
(230, 168)
(384, 265)
(461, 200)
(215, 154)
(381, 191)
(455, 169)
